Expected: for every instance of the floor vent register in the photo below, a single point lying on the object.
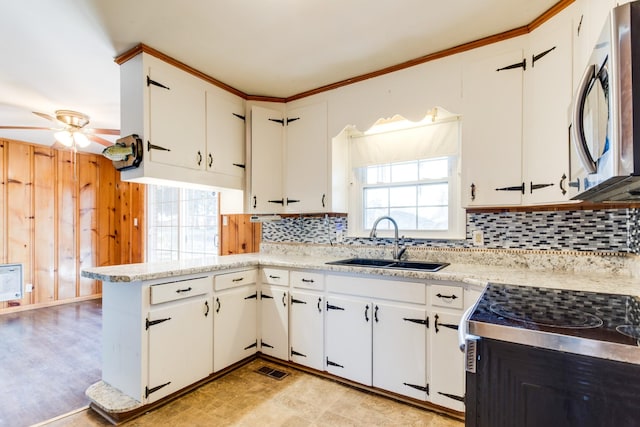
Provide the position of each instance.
(273, 373)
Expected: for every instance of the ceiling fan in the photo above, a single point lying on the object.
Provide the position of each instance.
(71, 131)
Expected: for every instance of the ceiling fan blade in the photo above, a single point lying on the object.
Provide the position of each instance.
(101, 131)
(24, 128)
(46, 116)
(99, 140)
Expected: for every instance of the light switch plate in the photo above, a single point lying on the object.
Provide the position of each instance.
(478, 237)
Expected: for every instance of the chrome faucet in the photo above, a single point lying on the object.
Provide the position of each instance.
(397, 251)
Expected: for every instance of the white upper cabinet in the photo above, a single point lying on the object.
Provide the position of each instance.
(225, 134)
(307, 168)
(492, 130)
(266, 160)
(515, 126)
(181, 119)
(289, 160)
(547, 99)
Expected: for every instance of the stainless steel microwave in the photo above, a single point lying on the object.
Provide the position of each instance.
(605, 114)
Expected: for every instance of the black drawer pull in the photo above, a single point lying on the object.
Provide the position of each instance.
(239, 279)
(307, 281)
(179, 291)
(447, 296)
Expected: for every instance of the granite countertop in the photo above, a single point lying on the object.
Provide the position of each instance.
(474, 274)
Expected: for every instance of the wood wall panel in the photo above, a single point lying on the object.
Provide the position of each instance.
(60, 213)
(44, 221)
(238, 235)
(66, 224)
(88, 179)
(19, 210)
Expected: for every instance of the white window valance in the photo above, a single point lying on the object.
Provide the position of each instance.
(438, 139)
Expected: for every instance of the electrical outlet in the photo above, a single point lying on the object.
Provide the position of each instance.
(478, 238)
(28, 287)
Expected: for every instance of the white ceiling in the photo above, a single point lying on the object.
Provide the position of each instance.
(59, 54)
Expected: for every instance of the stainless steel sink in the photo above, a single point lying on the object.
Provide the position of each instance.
(389, 263)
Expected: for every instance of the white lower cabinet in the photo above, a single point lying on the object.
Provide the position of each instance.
(172, 328)
(447, 385)
(274, 321)
(234, 325)
(306, 333)
(399, 349)
(348, 338)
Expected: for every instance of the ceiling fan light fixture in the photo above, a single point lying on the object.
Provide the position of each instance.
(81, 139)
(64, 137)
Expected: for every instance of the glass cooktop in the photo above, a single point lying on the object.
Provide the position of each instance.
(595, 316)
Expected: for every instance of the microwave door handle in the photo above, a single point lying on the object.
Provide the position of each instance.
(577, 117)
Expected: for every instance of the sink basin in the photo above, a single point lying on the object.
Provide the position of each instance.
(388, 263)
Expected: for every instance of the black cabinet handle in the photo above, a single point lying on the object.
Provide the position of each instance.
(273, 277)
(255, 201)
(366, 313)
(284, 295)
(320, 302)
(210, 160)
(514, 188)
(323, 198)
(206, 304)
(375, 314)
(473, 191)
(562, 180)
(239, 279)
(452, 297)
(219, 305)
(179, 291)
(307, 280)
(199, 158)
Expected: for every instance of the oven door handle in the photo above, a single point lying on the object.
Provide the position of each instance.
(463, 328)
(577, 117)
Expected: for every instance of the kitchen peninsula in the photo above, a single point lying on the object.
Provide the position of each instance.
(269, 291)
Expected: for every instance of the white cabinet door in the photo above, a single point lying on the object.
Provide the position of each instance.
(274, 339)
(307, 167)
(447, 385)
(399, 349)
(307, 329)
(492, 131)
(266, 161)
(547, 97)
(180, 337)
(234, 326)
(225, 134)
(348, 338)
(176, 117)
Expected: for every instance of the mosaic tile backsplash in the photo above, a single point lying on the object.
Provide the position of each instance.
(614, 230)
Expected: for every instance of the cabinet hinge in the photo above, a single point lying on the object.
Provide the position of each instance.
(419, 387)
(151, 146)
(295, 353)
(155, 83)
(264, 344)
(252, 345)
(512, 188)
(292, 119)
(281, 121)
(148, 391)
(333, 307)
(240, 116)
(263, 296)
(240, 165)
(297, 301)
(330, 363)
(252, 296)
(149, 323)
(522, 65)
(424, 322)
(452, 396)
(534, 58)
(538, 186)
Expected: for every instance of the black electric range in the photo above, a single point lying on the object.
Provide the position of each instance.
(587, 323)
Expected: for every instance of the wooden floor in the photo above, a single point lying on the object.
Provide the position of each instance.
(48, 358)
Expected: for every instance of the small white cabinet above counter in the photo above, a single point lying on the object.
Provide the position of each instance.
(191, 130)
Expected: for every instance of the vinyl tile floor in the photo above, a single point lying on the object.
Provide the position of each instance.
(245, 397)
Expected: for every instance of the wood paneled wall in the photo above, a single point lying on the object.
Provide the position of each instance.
(238, 235)
(61, 212)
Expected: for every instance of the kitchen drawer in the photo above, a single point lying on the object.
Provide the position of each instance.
(235, 279)
(275, 276)
(307, 280)
(446, 296)
(172, 291)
